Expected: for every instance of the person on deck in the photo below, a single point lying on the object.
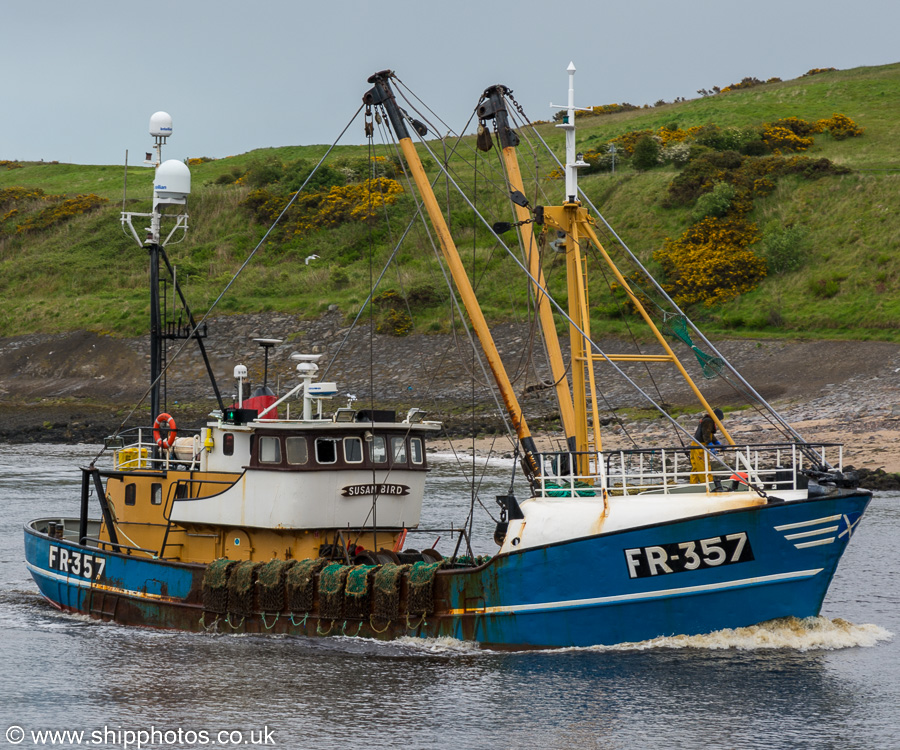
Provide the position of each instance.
(705, 435)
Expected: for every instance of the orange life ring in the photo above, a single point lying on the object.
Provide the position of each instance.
(164, 420)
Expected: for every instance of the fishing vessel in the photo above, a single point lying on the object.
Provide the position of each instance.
(263, 521)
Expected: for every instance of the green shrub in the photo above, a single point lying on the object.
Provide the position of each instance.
(812, 169)
(646, 153)
(717, 202)
(264, 172)
(424, 295)
(295, 175)
(784, 247)
(699, 175)
(755, 147)
(339, 278)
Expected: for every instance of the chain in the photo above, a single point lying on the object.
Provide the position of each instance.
(512, 99)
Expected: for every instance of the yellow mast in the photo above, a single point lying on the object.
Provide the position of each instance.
(575, 222)
(572, 219)
(381, 94)
(494, 106)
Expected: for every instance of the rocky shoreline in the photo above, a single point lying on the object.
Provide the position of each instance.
(81, 386)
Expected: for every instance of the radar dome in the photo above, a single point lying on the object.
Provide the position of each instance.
(161, 124)
(173, 180)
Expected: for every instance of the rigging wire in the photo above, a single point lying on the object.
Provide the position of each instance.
(237, 273)
(374, 509)
(782, 425)
(472, 382)
(602, 266)
(527, 354)
(498, 181)
(742, 387)
(449, 170)
(591, 344)
(455, 302)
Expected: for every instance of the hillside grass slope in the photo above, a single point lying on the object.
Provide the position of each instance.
(66, 263)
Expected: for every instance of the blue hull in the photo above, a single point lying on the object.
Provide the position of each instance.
(693, 576)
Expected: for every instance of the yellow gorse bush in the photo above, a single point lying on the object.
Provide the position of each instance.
(840, 126)
(780, 139)
(60, 212)
(711, 262)
(18, 194)
(327, 208)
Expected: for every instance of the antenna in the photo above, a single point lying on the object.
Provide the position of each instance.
(267, 344)
(125, 182)
(160, 129)
(171, 186)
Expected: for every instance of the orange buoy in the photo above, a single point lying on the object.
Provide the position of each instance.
(164, 420)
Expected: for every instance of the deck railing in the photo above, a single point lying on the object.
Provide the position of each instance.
(767, 467)
(143, 452)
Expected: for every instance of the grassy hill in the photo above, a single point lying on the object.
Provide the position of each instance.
(63, 269)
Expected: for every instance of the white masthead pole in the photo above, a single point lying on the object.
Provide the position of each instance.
(573, 160)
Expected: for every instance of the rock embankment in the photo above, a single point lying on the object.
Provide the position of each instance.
(81, 386)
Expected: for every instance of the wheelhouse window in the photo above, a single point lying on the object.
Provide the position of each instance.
(398, 449)
(130, 494)
(228, 444)
(415, 450)
(296, 450)
(377, 450)
(353, 453)
(269, 450)
(326, 450)
(156, 494)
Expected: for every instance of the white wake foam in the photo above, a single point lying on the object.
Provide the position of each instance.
(808, 634)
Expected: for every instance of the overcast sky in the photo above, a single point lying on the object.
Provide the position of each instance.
(81, 79)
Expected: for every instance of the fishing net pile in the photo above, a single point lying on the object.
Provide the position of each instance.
(331, 590)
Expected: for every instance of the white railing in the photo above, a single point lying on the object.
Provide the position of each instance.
(139, 455)
(732, 468)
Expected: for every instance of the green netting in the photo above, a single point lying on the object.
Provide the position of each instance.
(712, 366)
(421, 588)
(564, 489)
(356, 592)
(240, 587)
(467, 561)
(676, 326)
(358, 580)
(386, 589)
(331, 591)
(215, 585)
(270, 584)
(300, 584)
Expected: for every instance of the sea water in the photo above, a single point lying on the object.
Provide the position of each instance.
(828, 682)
